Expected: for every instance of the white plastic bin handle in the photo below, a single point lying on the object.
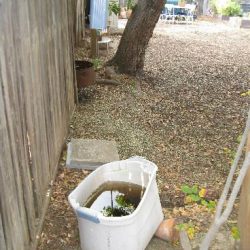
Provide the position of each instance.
(87, 215)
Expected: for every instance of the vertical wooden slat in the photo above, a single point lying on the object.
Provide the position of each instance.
(244, 211)
(11, 98)
(9, 205)
(2, 238)
(20, 133)
(37, 93)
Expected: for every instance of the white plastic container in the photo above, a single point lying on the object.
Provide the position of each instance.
(131, 232)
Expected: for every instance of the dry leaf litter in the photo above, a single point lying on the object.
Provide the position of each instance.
(181, 114)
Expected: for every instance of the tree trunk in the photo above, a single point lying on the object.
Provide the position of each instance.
(130, 55)
(205, 7)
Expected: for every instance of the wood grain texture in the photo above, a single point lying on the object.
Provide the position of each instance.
(2, 237)
(244, 211)
(37, 98)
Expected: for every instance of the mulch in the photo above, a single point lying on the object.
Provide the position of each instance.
(181, 113)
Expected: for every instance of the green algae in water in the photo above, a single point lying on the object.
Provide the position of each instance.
(116, 199)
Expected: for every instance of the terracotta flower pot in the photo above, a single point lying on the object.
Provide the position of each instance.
(129, 12)
(85, 73)
(167, 231)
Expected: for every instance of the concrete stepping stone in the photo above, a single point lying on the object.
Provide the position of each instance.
(90, 154)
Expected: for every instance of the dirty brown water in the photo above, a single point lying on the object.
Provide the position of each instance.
(115, 198)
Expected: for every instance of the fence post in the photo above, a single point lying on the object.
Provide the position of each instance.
(244, 210)
(94, 49)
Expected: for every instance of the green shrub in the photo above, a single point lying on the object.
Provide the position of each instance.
(114, 7)
(97, 63)
(228, 8)
(232, 9)
(130, 4)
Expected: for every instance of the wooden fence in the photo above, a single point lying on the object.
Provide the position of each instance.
(244, 210)
(37, 91)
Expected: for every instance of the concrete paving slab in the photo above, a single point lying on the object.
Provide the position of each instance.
(90, 154)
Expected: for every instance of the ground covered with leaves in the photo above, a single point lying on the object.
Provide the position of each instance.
(186, 113)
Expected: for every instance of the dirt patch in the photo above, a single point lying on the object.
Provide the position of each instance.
(181, 114)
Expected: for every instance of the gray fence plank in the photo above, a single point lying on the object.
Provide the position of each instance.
(2, 238)
(37, 98)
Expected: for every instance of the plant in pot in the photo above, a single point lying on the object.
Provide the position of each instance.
(231, 9)
(130, 6)
(85, 73)
(227, 8)
(114, 10)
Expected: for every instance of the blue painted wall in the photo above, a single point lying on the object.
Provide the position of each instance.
(98, 14)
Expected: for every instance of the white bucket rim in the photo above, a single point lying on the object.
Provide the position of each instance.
(98, 217)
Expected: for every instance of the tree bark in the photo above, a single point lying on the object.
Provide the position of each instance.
(130, 55)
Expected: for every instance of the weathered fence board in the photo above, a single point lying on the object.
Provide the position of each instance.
(9, 195)
(37, 97)
(2, 239)
(244, 211)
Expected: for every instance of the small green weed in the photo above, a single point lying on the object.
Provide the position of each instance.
(230, 154)
(239, 138)
(235, 233)
(97, 63)
(189, 228)
(133, 87)
(114, 8)
(247, 93)
(196, 195)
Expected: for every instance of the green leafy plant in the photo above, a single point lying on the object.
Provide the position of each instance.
(130, 4)
(247, 93)
(231, 9)
(97, 63)
(209, 204)
(240, 136)
(188, 227)
(114, 7)
(192, 193)
(235, 233)
(230, 154)
(228, 8)
(196, 195)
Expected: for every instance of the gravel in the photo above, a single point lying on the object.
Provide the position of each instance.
(181, 113)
